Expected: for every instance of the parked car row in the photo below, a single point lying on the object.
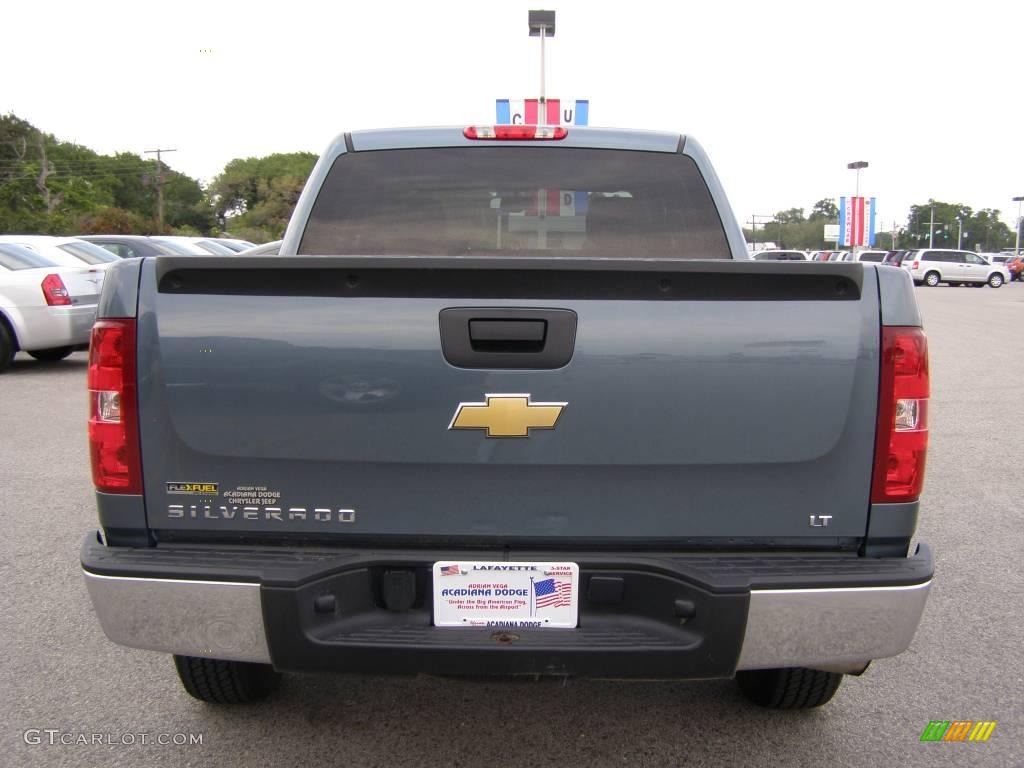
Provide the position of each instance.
(782, 255)
(50, 286)
(927, 266)
(137, 246)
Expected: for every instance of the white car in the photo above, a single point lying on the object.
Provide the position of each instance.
(267, 249)
(194, 246)
(46, 309)
(932, 266)
(66, 251)
(875, 256)
(234, 243)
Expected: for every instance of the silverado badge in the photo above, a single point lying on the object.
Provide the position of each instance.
(507, 415)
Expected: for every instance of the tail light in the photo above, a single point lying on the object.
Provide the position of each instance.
(901, 437)
(915, 264)
(113, 412)
(54, 291)
(515, 132)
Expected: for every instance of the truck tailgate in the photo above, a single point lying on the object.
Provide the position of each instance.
(702, 403)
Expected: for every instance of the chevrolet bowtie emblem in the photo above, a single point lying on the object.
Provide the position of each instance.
(507, 415)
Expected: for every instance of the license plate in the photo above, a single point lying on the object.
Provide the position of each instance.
(504, 594)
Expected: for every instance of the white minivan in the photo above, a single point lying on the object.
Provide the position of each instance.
(942, 265)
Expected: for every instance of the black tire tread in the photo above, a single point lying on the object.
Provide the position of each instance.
(8, 345)
(225, 682)
(51, 355)
(790, 688)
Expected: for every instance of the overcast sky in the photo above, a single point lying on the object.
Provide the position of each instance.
(782, 94)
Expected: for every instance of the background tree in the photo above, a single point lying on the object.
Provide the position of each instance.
(254, 197)
(825, 208)
(982, 231)
(789, 229)
(55, 187)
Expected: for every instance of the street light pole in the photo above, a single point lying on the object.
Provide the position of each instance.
(542, 24)
(1016, 247)
(856, 166)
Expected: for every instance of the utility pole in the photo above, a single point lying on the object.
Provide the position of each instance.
(959, 232)
(753, 225)
(931, 229)
(1016, 247)
(159, 184)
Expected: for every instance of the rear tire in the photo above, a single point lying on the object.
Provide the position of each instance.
(7, 346)
(931, 279)
(226, 682)
(51, 355)
(995, 280)
(789, 688)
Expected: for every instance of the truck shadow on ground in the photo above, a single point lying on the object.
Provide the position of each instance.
(417, 721)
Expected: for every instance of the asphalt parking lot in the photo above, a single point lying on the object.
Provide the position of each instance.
(59, 672)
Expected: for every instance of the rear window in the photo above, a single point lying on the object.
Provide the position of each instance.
(90, 253)
(510, 201)
(872, 257)
(17, 257)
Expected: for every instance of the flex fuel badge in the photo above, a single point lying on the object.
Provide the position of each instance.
(192, 489)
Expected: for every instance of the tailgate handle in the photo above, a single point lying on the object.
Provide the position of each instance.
(495, 337)
(507, 335)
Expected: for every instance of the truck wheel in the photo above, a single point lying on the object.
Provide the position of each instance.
(226, 682)
(790, 688)
(931, 279)
(7, 347)
(995, 280)
(51, 355)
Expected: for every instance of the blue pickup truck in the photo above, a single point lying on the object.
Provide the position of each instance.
(512, 400)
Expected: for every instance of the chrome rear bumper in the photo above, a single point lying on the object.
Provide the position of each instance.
(840, 629)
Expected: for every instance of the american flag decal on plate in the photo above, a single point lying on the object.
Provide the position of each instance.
(450, 570)
(552, 593)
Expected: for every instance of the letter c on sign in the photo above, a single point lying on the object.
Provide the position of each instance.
(517, 119)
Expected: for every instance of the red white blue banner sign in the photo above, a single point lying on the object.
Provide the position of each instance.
(550, 112)
(856, 221)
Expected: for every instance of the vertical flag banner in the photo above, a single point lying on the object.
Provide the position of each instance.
(856, 221)
(531, 112)
(871, 222)
(844, 222)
